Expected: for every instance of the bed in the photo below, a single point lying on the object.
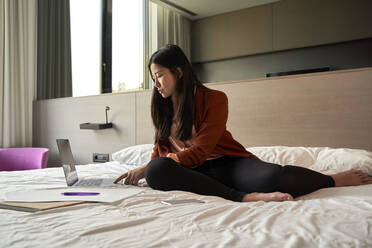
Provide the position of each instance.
(320, 121)
(331, 217)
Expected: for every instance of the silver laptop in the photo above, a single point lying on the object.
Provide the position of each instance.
(69, 169)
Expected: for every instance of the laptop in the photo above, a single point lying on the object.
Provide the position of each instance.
(69, 169)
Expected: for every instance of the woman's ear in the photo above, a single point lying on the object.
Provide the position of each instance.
(180, 73)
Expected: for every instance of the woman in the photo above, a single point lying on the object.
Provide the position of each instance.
(194, 152)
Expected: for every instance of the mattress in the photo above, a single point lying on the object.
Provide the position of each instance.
(330, 217)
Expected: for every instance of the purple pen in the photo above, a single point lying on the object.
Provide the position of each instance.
(80, 193)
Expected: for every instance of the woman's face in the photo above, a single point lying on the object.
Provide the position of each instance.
(164, 80)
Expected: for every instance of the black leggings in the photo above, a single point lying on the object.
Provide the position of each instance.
(233, 177)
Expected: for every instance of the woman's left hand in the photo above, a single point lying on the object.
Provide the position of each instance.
(173, 156)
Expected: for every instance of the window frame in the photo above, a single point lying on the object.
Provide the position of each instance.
(106, 49)
(106, 58)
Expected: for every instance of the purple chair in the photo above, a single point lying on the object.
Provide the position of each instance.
(27, 158)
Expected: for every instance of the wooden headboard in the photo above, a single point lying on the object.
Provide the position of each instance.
(322, 109)
(331, 109)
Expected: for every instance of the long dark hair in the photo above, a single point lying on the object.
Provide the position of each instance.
(162, 113)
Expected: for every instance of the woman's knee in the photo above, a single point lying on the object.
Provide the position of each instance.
(157, 171)
(251, 175)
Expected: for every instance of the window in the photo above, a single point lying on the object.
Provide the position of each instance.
(127, 45)
(107, 46)
(86, 46)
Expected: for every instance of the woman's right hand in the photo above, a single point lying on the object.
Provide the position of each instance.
(133, 176)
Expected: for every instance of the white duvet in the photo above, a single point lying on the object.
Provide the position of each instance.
(332, 217)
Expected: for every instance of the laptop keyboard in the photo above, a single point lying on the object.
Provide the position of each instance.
(89, 182)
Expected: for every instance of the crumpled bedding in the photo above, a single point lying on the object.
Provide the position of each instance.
(331, 217)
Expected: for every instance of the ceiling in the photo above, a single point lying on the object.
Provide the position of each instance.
(205, 8)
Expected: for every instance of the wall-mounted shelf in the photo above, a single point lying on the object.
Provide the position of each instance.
(95, 126)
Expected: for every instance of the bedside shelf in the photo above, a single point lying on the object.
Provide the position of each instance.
(95, 126)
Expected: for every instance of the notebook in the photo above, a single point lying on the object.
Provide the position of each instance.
(35, 206)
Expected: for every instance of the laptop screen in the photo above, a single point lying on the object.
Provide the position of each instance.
(65, 153)
(67, 160)
(70, 174)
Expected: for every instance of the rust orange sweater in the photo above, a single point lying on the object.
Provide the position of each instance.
(211, 113)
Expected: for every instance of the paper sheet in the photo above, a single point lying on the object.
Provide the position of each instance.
(50, 195)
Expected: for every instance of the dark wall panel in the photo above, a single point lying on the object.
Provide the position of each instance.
(345, 55)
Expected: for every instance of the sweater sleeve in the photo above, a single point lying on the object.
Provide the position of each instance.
(212, 127)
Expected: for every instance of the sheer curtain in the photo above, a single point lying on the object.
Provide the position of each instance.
(173, 28)
(168, 26)
(18, 31)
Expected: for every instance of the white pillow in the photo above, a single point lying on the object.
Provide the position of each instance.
(341, 159)
(316, 158)
(134, 155)
(284, 155)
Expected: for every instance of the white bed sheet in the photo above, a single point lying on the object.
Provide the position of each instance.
(332, 217)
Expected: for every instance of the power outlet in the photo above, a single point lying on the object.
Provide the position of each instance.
(101, 157)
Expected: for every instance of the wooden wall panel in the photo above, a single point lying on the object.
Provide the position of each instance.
(238, 33)
(322, 109)
(302, 23)
(287, 24)
(145, 129)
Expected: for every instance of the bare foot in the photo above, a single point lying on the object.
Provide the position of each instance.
(267, 197)
(351, 177)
